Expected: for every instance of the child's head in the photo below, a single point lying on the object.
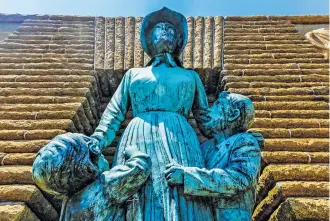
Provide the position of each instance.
(233, 111)
(65, 165)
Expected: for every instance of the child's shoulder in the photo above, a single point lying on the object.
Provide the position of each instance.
(247, 138)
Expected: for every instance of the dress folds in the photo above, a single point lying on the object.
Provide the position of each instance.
(161, 99)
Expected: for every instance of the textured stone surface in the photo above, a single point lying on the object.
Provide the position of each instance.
(283, 190)
(129, 42)
(16, 212)
(138, 51)
(287, 78)
(32, 196)
(188, 56)
(298, 209)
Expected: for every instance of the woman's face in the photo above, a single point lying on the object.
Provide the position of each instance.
(163, 38)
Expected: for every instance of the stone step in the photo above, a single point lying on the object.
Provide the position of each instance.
(25, 99)
(76, 92)
(47, 65)
(43, 51)
(255, 26)
(276, 85)
(49, 72)
(287, 123)
(276, 72)
(229, 66)
(39, 107)
(284, 80)
(28, 135)
(274, 61)
(293, 133)
(56, 25)
(46, 55)
(49, 37)
(259, 30)
(274, 55)
(303, 209)
(18, 159)
(32, 196)
(40, 115)
(290, 172)
(283, 157)
(262, 37)
(264, 22)
(16, 175)
(22, 146)
(50, 42)
(43, 33)
(263, 41)
(265, 46)
(56, 79)
(283, 190)
(52, 46)
(268, 50)
(296, 105)
(84, 120)
(62, 124)
(300, 145)
(61, 21)
(317, 114)
(45, 60)
(39, 85)
(321, 90)
(87, 107)
(289, 98)
(244, 34)
(18, 211)
(37, 28)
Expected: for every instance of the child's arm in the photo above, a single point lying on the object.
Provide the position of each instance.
(242, 168)
(123, 181)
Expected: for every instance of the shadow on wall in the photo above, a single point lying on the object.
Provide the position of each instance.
(6, 29)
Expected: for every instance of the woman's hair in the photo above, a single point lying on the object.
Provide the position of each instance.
(64, 166)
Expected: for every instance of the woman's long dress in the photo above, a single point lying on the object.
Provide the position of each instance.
(161, 98)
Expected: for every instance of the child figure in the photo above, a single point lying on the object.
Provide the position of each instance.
(232, 160)
(91, 191)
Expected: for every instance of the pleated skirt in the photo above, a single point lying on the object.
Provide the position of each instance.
(166, 137)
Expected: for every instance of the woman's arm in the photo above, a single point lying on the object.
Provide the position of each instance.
(113, 115)
(200, 107)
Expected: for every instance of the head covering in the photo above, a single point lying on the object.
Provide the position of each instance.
(164, 15)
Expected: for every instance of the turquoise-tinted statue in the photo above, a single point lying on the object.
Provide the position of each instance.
(159, 165)
(91, 191)
(232, 160)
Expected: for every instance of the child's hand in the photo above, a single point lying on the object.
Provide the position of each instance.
(174, 174)
(131, 151)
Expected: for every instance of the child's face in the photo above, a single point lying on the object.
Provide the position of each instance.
(218, 114)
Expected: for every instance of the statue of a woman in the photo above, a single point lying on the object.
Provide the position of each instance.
(161, 96)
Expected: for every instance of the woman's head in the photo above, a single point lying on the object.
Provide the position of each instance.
(164, 31)
(163, 38)
(64, 165)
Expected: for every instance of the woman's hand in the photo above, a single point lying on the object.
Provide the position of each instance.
(174, 174)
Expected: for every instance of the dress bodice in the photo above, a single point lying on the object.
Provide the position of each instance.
(161, 89)
(150, 89)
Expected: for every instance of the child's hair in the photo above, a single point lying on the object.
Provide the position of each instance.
(64, 165)
(246, 107)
